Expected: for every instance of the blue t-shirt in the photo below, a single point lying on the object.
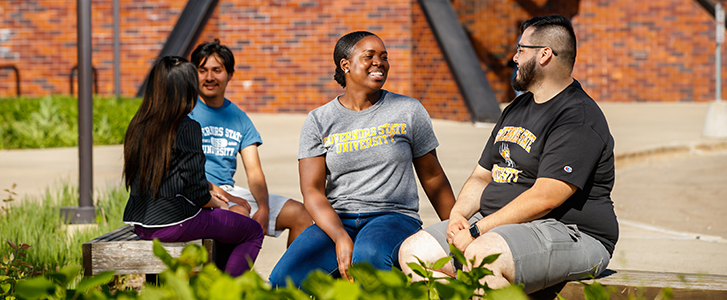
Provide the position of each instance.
(225, 131)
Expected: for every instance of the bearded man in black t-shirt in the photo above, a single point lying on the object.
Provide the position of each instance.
(540, 193)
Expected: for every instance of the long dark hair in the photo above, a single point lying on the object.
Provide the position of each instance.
(343, 49)
(152, 134)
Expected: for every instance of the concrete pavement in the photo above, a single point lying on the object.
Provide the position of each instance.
(669, 193)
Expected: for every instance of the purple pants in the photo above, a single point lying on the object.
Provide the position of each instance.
(239, 238)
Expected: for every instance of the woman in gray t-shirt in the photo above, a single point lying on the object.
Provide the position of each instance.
(355, 159)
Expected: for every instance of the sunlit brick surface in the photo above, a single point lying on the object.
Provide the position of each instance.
(627, 50)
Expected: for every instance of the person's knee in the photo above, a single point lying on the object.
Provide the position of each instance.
(294, 215)
(374, 254)
(257, 233)
(240, 210)
(413, 246)
(425, 247)
(303, 219)
(488, 244)
(278, 276)
(420, 246)
(278, 279)
(405, 250)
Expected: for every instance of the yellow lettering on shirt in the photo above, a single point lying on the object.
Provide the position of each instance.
(505, 175)
(518, 135)
(364, 138)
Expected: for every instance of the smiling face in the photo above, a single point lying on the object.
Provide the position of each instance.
(367, 66)
(213, 79)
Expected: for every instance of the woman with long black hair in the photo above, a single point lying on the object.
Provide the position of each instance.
(170, 197)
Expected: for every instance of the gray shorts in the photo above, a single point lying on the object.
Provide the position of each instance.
(545, 252)
(275, 202)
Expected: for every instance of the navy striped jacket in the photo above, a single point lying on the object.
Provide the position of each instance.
(184, 188)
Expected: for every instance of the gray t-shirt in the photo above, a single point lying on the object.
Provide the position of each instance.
(369, 153)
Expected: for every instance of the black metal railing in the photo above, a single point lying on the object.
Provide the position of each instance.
(17, 77)
(74, 70)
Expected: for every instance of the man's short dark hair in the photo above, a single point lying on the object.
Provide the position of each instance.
(556, 32)
(205, 50)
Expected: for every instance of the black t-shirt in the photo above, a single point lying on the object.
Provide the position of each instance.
(566, 138)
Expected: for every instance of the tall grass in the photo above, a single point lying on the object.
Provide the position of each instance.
(38, 223)
(52, 121)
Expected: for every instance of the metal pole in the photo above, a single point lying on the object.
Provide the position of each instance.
(718, 75)
(719, 37)
(85, 212)
(715, 122)
(85, 104)
(117, 51)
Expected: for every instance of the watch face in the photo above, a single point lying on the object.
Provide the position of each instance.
(474, 230)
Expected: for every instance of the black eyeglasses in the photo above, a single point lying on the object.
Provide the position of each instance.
(535, 47)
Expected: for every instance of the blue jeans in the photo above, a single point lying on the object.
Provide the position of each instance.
(376, 240)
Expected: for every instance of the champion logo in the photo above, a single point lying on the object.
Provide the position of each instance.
(568, 169)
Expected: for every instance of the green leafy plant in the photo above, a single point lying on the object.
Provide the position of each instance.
(13, 268)
(38, 222)
(52, 121)
(189, 276)
(183, 281)
(467, 283)
(54, 285)
(43, 127)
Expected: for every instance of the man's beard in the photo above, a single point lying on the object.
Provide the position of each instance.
(526, 75)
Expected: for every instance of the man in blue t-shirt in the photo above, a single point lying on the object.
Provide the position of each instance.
(226, 131)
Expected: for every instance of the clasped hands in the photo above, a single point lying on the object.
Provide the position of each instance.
(458, 233)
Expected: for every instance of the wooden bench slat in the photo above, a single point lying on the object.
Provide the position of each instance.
(122, 250)
(628, 283)
(663, 279)
(133, 258)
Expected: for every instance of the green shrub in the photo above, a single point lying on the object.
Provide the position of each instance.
(14, 269)
(39, 224)
(52, 121)
(188, 277)
(185, 280)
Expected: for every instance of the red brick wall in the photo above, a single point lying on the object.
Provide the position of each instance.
(493, 27)
(663, 51)
(432, 79)
(284, 49)
(654, 51)
(627, 51)
(41, 42)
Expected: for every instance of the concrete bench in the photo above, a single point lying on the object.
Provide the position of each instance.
(648, 284)
(122, 250)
